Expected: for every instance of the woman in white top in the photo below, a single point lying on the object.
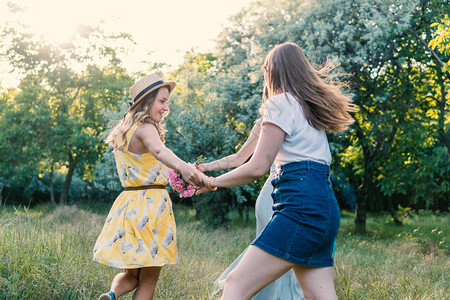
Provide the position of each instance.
(300, 106)
(286, 287)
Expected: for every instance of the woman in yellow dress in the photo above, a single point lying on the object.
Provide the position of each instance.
(139, 234)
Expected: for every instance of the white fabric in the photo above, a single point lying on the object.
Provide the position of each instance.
(302, 141)
(284, 288)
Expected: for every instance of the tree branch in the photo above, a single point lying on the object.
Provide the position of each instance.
(433, 53)
(416, 35)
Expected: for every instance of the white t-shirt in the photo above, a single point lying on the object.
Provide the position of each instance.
(302, 141)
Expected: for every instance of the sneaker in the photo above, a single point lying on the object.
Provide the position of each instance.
(108, 296)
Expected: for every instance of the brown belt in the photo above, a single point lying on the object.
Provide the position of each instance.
(144, 187)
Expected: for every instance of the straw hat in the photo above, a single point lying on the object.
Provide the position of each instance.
(146, 85)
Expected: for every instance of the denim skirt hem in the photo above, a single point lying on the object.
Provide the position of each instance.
(292, 259)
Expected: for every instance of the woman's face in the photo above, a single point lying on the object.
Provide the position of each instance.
(160, 106)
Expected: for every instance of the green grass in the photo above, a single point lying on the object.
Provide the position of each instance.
(45, 253)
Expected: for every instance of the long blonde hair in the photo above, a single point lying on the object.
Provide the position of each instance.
(140, 113)
(323, 103)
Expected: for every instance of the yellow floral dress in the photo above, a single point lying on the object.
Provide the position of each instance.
(139, 230)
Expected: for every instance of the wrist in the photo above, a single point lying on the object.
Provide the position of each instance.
(210, 185)
(203, 167)
(181, 168)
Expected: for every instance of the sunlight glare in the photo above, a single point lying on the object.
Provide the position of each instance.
(163, 31)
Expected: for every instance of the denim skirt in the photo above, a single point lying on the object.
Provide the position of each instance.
(305, 218)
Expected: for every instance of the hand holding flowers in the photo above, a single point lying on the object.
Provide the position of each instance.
(178, 184)
(194, 179)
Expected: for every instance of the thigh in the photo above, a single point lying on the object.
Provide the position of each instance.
(256, 270)
(316, 283)
(149, 274)
(148, 277)
(133, 272)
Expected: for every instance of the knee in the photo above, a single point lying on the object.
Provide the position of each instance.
(132, 273)
(232, 281)
(233, 290)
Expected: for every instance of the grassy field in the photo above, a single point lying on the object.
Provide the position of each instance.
(45, 253)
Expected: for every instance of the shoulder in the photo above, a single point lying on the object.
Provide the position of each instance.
(284, 104)
(284, 111)
(145, 129)
(285, 99)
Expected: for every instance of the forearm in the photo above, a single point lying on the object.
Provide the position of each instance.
(167, 157)
(270, 143)
(245, 174)
(230, 161)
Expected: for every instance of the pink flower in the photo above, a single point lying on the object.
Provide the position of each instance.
(173, 176)
(189, 192)
(178, 184)
(175, 181)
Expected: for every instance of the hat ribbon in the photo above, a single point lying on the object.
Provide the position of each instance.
(147, 89)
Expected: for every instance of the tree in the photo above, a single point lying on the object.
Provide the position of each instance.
(396, 82)
(201, 123)
(442, 41)
(61, 107)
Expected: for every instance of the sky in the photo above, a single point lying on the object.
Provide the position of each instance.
(166, 28)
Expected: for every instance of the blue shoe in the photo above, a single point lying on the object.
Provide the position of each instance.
(108, 296)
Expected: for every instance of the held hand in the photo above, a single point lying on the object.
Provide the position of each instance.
(202, 190)
(206, 188)
(201, 167)
(192, 176)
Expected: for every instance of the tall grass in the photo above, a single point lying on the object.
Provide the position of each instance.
(394, 262)
(45, 253)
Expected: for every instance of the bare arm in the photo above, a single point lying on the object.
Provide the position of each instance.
(236, 159)
(148, 135)
(268, 146)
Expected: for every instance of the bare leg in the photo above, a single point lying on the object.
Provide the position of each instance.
(256, 270)
(125, 282)
(148, 277)
(316, 283)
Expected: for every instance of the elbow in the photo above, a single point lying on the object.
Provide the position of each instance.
(237, 160)
(258, 172)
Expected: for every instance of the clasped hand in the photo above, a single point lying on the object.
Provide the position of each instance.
(194, 176)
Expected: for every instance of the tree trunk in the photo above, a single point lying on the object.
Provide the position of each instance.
(52, 188)
(1, 189)
(362, 201)
(445, 136)
(65, 191)
(446, 140)
(366, 195)
(361, 216)
(246, 213)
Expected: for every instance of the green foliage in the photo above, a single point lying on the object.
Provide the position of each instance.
(395, 83)
(53, 120)
(212, 209)
(396, 153)
(430, 241)
(442, 39)
(403, 214)
(209, 117)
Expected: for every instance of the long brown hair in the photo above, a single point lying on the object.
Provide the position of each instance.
(323, 103)
(138, 114)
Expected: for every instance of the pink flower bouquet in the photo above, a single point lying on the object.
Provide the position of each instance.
(178, 184)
